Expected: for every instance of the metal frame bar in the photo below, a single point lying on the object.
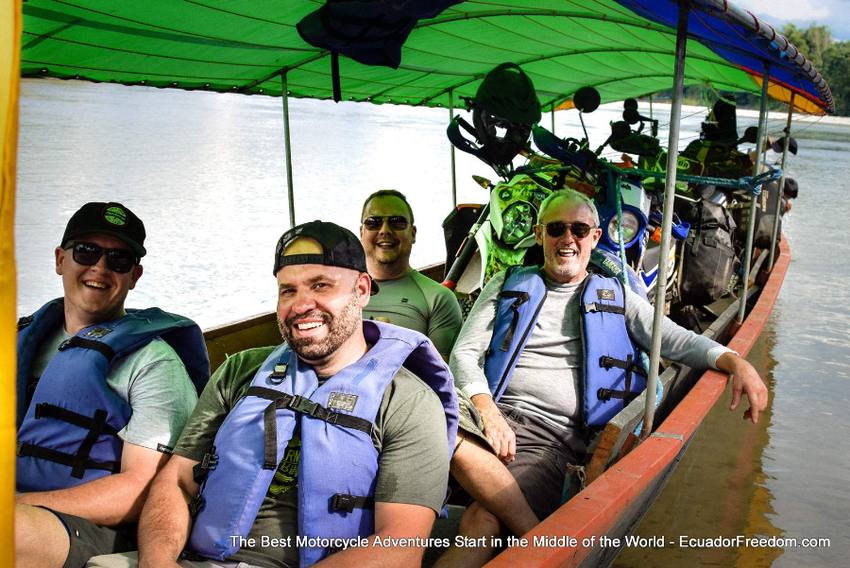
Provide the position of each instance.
(751, 222)
(552, 113)
(667, 219)
(287, 148)
(778, 211)
(452, 149)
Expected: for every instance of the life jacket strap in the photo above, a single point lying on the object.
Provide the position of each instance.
(80, 461)
(592, 307)
(77, 341)
(25, 321)
(206, 465)
(347, 503)
(520, 297)
(302, 405)
(47, 410)
(628, 365)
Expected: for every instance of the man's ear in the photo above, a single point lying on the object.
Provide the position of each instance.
(135, 275)
(538, 234)
(59, 255)
(413, 240)
(596, 234)
(363, 285)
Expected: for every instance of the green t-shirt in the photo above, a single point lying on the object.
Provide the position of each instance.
(409, 433)
(416, 302)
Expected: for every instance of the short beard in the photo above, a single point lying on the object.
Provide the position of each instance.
(340, 329)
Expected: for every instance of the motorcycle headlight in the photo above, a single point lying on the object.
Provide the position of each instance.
(518, 220)
(631, 225)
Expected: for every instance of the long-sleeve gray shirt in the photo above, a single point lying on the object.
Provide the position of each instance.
(546, 379)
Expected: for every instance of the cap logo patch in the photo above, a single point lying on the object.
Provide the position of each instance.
(115, 216)
(342, 401)
(605, 294)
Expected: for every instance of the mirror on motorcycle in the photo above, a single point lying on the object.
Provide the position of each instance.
(483, 182)
(587, 99)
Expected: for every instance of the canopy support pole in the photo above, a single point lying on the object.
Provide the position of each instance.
(650, 107)
(452, 148)
(751, 222)
(778, 211)
(552, 112)
(667, 219)
(287, 148)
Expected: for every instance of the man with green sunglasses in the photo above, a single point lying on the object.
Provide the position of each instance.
(103, 392)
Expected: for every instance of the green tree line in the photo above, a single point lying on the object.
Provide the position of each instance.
(831, 58)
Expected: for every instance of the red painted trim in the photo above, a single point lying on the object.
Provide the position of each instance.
(594, 511)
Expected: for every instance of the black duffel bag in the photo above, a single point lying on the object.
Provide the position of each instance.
(710, 259)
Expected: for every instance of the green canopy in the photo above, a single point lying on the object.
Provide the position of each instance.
(245, 46)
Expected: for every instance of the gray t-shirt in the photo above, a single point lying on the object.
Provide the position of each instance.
(416, 302)
(409, 433)
(152, 380)
(546, 379)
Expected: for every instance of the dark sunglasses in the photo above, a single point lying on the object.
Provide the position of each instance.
(375, 222)
(557, 229)
(117, 260)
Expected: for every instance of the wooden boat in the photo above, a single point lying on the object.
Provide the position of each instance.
(623, 48)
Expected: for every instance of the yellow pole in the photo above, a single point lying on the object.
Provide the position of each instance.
(10, 65)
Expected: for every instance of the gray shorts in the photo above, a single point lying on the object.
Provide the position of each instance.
(542, 456)
(90, 539)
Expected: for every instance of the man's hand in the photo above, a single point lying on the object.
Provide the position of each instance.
(745, 380)
(496, 429)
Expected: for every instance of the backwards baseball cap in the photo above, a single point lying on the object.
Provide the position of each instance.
(108, 219)
(339, 248)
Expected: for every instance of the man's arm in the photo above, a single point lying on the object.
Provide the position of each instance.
(394, 521)
(444, 320)
(109, 500)
(698, 351)
(467, 366)
(165, 522)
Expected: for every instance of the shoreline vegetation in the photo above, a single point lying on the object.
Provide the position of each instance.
(830, 57)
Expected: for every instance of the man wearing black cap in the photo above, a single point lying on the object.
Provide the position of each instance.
(334, 442)
(102, 396)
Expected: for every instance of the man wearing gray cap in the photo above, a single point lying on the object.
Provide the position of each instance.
(335, 442)
(102, 395)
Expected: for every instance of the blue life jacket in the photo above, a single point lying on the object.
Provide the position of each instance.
(338, 465)
(612, 373)
(68, 419)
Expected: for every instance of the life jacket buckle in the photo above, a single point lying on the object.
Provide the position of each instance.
(303, 405)
(343, 502)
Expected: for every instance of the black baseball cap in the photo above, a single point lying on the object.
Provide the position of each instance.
(108, 219)
(339, 248)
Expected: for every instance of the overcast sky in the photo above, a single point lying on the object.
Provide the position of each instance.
(802, 13)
